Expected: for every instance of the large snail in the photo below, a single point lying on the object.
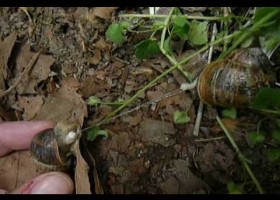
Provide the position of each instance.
(51, 148)
(235, 81)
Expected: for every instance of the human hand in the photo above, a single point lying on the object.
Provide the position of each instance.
(48, 183)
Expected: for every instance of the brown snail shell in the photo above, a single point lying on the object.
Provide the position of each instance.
(235, 81)
(51, 148)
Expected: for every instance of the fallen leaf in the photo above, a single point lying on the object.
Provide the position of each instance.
(70, 69)
(102, 44)
(38, 73)
(6, 47)
(30, 105)
(15, 169)
(95, 59)
(65, 104)
(189, 183)
(133, 120)
(103, 12)
(82, 183)
(68, 91)
(55, 109)
(122, 141)
(92, 85)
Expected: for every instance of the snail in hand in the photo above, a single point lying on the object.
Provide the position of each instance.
(52, 148)
(235, 81)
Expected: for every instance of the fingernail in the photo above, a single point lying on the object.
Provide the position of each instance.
(51, 184)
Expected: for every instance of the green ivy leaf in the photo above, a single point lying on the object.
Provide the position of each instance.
(181, 27)
(93, 101)
(230, 113)
(267, 98)
(198, 34)
(234, 188)
(147, 48)
(125, 25)
(181, 117)
(273, 154)
(256, 137)
(158, 25)
(94, 132)
(177, 11)
(115, 33)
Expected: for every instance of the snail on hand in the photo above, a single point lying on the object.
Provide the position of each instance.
(51, 148)
(235, 81)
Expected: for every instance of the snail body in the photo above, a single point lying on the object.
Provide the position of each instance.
(235, 81)
(51, 148)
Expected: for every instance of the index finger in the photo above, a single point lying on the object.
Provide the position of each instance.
(18, 135)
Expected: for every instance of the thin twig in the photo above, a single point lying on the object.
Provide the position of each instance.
(198, 119)
(200, 107)
(241, 157)
(210, 139)
(23, 74)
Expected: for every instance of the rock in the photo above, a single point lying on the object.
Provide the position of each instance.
(158, 132)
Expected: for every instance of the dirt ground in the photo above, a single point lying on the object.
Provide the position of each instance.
(145, 152)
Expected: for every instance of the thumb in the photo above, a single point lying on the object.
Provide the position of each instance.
(49, 183)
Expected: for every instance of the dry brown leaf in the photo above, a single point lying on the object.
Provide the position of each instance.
(82, 183)
(65, 104)
(102, 44)
(6, 47)
(39, 72)
(31, 105)
(133, 120)
(103, 12)
(55, 109)
(69, 69)
(153, 95)
(68, 91)
(92, 85)
(16, 169)
(95, 59)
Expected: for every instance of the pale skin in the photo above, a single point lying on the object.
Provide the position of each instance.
(48, 183)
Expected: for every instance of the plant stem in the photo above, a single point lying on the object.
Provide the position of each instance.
(275, 112)
(170, 57)
(219, 18)
(241, 157)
